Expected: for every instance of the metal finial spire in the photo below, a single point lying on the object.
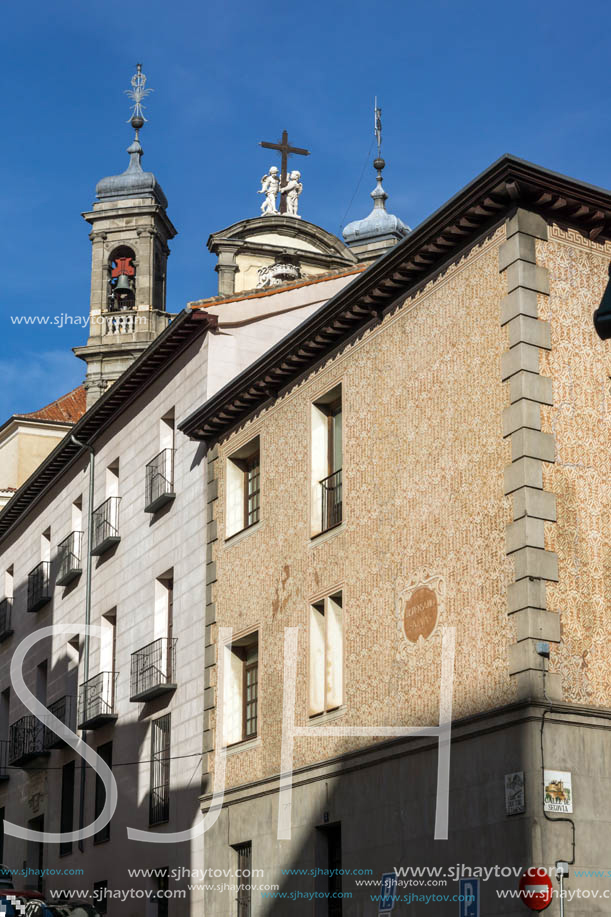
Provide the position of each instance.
(137, 93)
(379, 195)
(380, 229)
(377, 124)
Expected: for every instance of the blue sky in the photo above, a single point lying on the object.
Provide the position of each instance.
(460, 83)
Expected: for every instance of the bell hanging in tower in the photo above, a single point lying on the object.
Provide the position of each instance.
(123, 284)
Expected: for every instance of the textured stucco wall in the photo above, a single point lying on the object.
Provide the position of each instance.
(580, 366)
(423, 496)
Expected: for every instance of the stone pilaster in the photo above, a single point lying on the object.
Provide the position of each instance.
(227, 267)
(210, 646)
(530, 447)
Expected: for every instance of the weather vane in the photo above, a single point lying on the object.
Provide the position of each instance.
(137, 93)
(377, 124)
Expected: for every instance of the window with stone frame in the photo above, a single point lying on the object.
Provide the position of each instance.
(243, 489)
(326, 462)
(326, 662)
(241, 690)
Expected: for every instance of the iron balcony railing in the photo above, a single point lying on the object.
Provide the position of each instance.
(4, 746)
(331, 492)
(6, 614)
(153, 669)
(97, 701)
(39, 586)
(159, 804)
(69, 558)
(106, 525)
(64, 708)
(159, 483)
(25, 740)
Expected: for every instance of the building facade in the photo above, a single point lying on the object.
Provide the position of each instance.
(429, 546)
(137, 689)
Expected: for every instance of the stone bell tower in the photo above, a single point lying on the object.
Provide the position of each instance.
(130, 231)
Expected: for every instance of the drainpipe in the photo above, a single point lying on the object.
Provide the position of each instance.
(81, 845)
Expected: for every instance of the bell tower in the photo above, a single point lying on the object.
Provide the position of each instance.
(130, 230)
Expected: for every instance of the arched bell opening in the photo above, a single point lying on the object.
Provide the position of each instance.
(122, 280)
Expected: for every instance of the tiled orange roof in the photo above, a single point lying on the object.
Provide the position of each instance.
(271, 291)
(67, 409)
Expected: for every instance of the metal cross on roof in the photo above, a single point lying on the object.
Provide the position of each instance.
(286, 150)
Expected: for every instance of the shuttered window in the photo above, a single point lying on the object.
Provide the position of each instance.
(326, 662)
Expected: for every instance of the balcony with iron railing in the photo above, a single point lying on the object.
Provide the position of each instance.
(39, 586)
(64, 708)
(6, 615)
(106, 525)
(331, 494)
(4, 771)
(96, 705)
(69, 564)
(153, 670)
(159, 804)
(159, 483)
(25, 740)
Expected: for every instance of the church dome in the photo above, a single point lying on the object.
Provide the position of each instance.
(379, 224)
(134, 182)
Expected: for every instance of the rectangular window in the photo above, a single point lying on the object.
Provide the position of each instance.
(99, 896)
(45, 546)
(166, 431)
(6, 606)
(41, 682)
(77, 515)
(241, 689)
(326, 462)
(164, 603)
(105, 753)
(244, 870)
(106, 516)
(159, 799)
(108, 644)
(326, 654)
(67, 806)
(162, 899)
(159, 475)
(8, 582)
(5, 704)
(243, 488)
(112, 479)
(35, 852)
